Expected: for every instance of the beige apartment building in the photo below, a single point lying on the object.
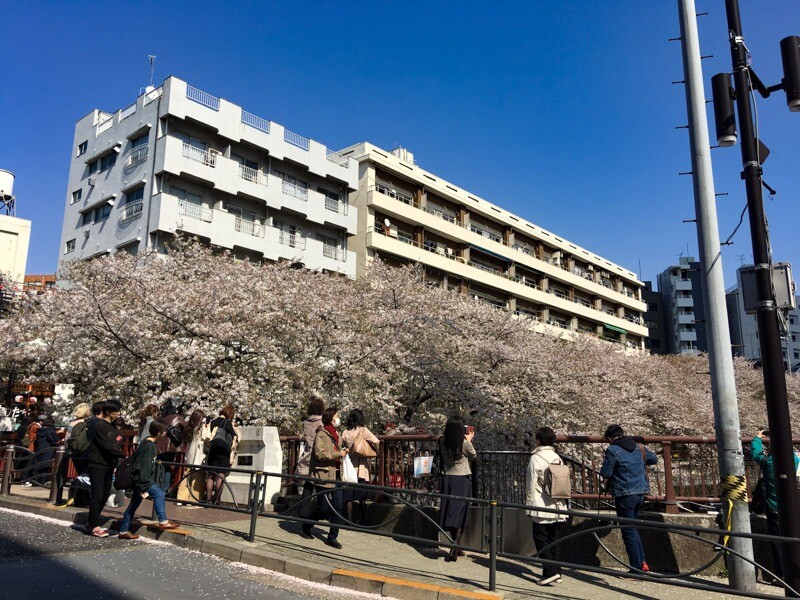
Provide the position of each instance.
(468, 244)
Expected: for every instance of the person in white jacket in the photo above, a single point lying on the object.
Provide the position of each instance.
(547, 526)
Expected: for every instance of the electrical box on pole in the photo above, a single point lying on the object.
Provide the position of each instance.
(790, 55)
(724, 118)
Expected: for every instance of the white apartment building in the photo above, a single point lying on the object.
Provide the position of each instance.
(181, 160)
(468, 244)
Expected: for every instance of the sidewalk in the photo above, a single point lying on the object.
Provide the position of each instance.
(370, 563)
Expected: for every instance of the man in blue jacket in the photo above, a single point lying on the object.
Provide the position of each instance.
(624, 471)
(765, 461)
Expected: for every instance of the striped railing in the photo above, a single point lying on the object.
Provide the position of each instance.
(255, 122)
(201, 97)
(296, 140)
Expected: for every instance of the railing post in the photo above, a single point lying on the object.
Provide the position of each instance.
(8, 463)
(492, 545)
(381, 465)
(254, 507)
(54, 478)
(671, 506)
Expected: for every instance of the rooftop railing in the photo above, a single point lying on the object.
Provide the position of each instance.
(255, 122)
(337, 158)
(201, 97)
(296, 140)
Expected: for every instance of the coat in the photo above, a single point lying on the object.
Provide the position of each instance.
(764, 460)
(310, 426)
(542, 457)
(460, 465)
(195, 448)
(361, 463)
(324, 456)
(624, 466)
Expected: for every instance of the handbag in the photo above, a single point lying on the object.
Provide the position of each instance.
(349, 473)
(361, 446)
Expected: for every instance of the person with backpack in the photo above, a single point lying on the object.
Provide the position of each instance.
(77, 449)
(143, 473)
(223, 437)
(106, 449)
(456, 451)
(766, 463)
(624, 469)
(363, 446)
(547, 485)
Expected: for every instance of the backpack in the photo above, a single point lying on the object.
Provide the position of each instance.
(123, 479)
(78, 442)
(557, 483)
(221, 439)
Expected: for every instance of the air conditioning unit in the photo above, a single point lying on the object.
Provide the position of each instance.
(92, 181)
(86, 233)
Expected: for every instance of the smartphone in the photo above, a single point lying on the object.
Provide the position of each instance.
(469, 428)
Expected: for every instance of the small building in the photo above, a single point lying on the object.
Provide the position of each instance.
(656, 341)
(682, 300)
(39, 284)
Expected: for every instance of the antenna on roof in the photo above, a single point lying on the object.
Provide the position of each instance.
(152, 59)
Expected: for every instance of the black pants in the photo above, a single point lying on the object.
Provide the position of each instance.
(774, 529)
(543, 535)
(320, 509)
(101, 488)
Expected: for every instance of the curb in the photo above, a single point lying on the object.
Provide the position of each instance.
(250, 554)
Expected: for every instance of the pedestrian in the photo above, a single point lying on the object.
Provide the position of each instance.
(78, 449)
(169, 449)
(146, 416)
(220, 447)
(144, 475)
(45, 449)
(326, 454)
(766, 463)
(97, 411)
(624, 469)
(547, 526)
(361, 445)
(31, 426)
(312, 422)
(456, 451)
(195, 435)
(106, 449)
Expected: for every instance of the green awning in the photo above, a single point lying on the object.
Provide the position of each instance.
(612, 328)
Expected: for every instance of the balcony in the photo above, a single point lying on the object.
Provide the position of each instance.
(136, 156)
(486, 233)
(683, 285)
(685, 302)
(206, 157)
(686, 319)
(294, 190)
(334, 252)
(292, 240)
(252, 175)
(249, 227)
(131, 210)
(393, 193)
(195, 211)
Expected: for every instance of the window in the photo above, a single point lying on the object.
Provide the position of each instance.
(796, 352)
(139, 141)
(70, 247)
(86, 219)
(108, 161)
(292, 180)
(652, 325)
(331, 199)
(82, 148)
(92, 167)
(136, 195)
(77, 195)
(330, 246)
(652, 307)
(289, 234)
(101, 213)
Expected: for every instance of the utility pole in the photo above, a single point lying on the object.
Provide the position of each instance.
(780, 430)
(742, 575)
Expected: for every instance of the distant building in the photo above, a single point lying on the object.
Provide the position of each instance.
(39, 283)
(744, 329)
(656, 341)
(15, 235)
(682, 296)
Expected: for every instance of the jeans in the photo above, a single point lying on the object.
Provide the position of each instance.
(628, 507)
(543, 535)
(100, 478)
(311, 510)
(157, 494)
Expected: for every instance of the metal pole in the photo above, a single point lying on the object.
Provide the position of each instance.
(492, 545)
(254, 508)
(8, 463)
(54, 478)
(742, 574)
(780, 429)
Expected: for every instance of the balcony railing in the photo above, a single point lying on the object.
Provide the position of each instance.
(255, 122)
(202, 97)
(294, 190)
(332, 204)
(196, 211)
(131, 210)
(293, 240)
(249, 227)
(296, 140)
(337, 158)
(253, 175)
(486, 233)
(393, 193)
(136, 156)
(206, 157)
(334, 252)
(441, 214)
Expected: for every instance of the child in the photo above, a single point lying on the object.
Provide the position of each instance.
(143, 474)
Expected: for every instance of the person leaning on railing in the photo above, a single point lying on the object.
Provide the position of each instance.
(456, 451)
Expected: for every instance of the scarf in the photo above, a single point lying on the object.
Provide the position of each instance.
(334, 434)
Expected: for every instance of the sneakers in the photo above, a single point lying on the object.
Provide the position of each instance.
(549, 580)
(99, 532)
(127, 535)
(645, 567)
(27, 484)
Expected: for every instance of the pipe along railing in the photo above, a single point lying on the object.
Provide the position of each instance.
(604, 523)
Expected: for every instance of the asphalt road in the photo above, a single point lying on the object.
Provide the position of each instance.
(43, 560)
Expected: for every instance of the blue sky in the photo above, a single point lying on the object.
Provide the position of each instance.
(562, 112)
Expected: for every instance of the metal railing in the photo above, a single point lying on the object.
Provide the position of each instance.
(337, 158)
(255, 122)
(206, 157)
(294, 190)
(296, 139)
(252, 175)
(249, 227)
(334, 252)
(196, 211)
(393, 193)
(136, 156)
(131, 210)
(201, 97)
(331, 204)
(293, 240)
